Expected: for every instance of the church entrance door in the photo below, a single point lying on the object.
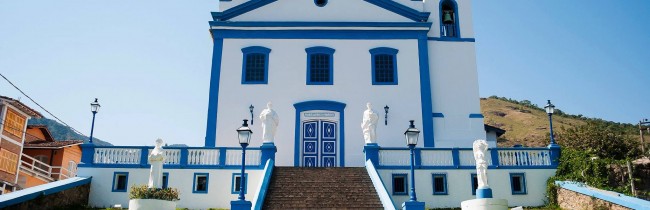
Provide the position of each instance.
(319, 142)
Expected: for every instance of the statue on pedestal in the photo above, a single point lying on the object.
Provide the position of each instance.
(270, 122)
(369, 125)
(156, 159)
(480, 147)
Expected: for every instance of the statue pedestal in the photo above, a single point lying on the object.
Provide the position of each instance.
(240, 205)
(484, 204)
(483, 193)
(413, 205)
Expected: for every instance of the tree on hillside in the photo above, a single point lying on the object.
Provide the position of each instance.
(605, 140)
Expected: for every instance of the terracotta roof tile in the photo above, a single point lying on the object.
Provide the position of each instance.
(55, 144)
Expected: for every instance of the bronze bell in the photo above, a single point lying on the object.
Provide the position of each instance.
(446, 18)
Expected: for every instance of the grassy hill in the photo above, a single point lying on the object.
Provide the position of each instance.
(527, 124)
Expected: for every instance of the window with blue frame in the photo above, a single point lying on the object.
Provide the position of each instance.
(255, 67)
(400, 184)
(320, 64)
(439, 184)
(236, 183)
(449, 19)
(518, 183)
(384, 66)
(120, 181)
(200, 184)
(474, 183)
(165, 180)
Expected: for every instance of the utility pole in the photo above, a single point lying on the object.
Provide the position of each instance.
(641, 123)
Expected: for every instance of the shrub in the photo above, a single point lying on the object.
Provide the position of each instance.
(143, 192)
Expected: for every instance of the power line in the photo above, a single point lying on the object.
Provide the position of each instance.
(30, 98)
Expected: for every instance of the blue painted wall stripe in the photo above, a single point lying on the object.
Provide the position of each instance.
(213, 101)
(425, 91)
(320, 24)
(317, 34)
(476, 116)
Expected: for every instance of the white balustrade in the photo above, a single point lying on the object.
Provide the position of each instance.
(202, 156)
(117, 156)
(394, 157)
(437, 158)
(524, 158)
(253, 157)
(467, 157)
(172, 156)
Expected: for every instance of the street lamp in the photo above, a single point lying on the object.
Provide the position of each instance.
(386, 114)
(550, 108)
(244, 135)
(412, 134)
(250, 108)
(94, 108)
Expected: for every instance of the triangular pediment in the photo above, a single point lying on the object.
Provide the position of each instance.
(333, 11)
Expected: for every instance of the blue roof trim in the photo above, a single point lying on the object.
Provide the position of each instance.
(475, 115)
(320, 24)
(240, 9)
(617, 198)
(45, 189)
(452, 39)
(389, 5)
(401, 10)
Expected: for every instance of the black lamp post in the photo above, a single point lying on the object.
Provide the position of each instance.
(412, 134)
(244, 135)
(94, 108)
(250, 108)
(550, 108)
(386, 115)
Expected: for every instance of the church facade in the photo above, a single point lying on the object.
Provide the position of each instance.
(320, 63)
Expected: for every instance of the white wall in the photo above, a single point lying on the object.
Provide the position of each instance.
(454, 90)
(219, 186)
(287, 86)
(459, 186)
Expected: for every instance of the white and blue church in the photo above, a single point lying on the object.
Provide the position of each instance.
(320, 62)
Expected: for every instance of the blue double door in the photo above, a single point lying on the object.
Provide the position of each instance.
(319, 143)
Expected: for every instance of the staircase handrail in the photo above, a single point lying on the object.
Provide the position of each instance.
(384, 197)
(263, 187)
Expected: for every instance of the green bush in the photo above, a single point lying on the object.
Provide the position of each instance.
(143, 192)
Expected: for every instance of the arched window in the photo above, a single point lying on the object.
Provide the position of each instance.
(449, 19)
(384, 66)
(255, 68)
(320, 65)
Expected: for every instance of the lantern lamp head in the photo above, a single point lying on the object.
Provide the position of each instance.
(550, 108)
(244, 133)
(94, 106)
(412, 134)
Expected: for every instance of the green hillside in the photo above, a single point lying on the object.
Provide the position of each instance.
(527, 124)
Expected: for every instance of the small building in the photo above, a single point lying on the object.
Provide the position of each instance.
(45, 159)
(14, 115)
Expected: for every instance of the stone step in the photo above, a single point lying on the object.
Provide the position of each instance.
(321, 188)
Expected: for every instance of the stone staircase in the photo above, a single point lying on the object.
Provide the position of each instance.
(321, 188)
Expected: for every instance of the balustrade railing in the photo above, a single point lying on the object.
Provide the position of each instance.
(462, 157)
(44, 170)
(129, 156)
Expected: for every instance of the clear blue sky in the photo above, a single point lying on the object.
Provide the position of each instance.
(149, 61)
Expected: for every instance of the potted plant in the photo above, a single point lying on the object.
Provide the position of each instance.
(144, 198)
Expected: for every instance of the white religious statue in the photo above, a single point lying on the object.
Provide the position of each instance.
(369, 125)
(156, 159)
(270, 122)
(480, 147)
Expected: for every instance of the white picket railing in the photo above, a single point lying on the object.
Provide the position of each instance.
(394, 157)
(437, 158)
(467, 157)
(203, 157)
(524, 158)
(43, 170)
(117, 156)
(253, 157)
(172, 156)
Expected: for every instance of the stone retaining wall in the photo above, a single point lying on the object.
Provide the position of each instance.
(71, 198)
(568, 199)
